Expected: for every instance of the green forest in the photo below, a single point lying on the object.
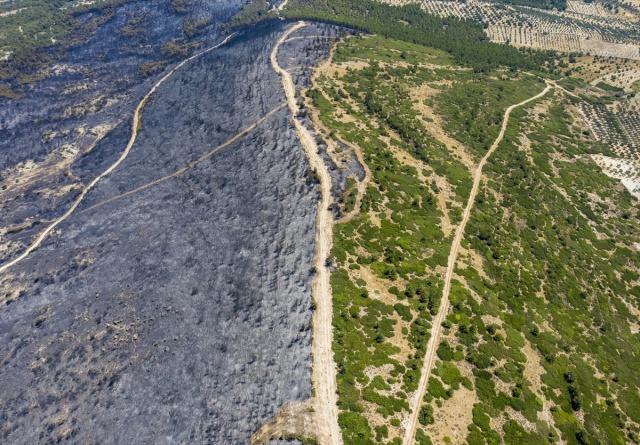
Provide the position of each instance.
(465, 40)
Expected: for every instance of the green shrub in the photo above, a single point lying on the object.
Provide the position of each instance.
(425, 417)
(480, 418)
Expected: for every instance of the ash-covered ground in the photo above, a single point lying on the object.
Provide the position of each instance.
(81, 98)
(297, 56)
(181, 313)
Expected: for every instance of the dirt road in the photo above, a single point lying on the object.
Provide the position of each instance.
(191, 165)
(436, 330)
(134, 133)
(324, 369)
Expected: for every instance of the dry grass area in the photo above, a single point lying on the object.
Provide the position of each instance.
(451, 420)
(625, 77)
(295, 419)
(594, 69)
(471, 258)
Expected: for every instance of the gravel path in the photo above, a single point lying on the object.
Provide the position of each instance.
(436, 330)
(324, 369)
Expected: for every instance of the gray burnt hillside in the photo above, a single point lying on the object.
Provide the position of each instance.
(179, 313)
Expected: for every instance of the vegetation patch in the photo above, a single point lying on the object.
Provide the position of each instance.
(543, 283)
(464, 39)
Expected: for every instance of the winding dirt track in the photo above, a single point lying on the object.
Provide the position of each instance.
(324, 369)
(190, 165)
(134, 133)
(436, 329)
(317, 123)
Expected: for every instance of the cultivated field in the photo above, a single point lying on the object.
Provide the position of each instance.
(616, 125)
(589, 28)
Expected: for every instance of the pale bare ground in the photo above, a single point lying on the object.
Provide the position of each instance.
(634, 324)
(455, 414)
(134, 133)
(340, 69)
(295, 419)
(12, 12)
(533, 372)
(19, 179)
(610, 49)
(324, 369)
(434, 124)
(436, 330)
(626, 170)
(475, 261)
(453, 418)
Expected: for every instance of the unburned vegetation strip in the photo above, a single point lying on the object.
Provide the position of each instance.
(550, 330)
(385, 285)
(389, 260)
(543, 331)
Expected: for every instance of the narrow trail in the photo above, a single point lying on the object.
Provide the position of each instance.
(324, 369)
(279, 8)
(436, 329)
(134, 133)
(561, 88)
(190, 165)
(317, 123)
